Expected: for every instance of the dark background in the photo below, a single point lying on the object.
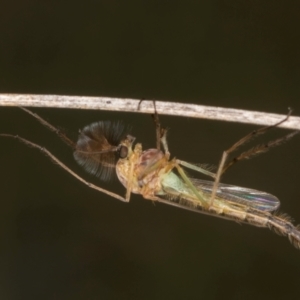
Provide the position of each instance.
(62, 240)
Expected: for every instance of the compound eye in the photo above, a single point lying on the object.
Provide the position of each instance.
(123, 152)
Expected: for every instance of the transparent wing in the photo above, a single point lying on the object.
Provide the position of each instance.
(248, 197)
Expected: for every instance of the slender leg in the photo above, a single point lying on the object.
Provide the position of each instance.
(156, 122)
(157, 126)
(50, 127)
(160, 131)
(163, 140)
(73, 145)
(259, 149)
(196, 168)
(197, 193)
(62, 165)
(181, 162)
(247, 154)
(129, 183)
(256, 133)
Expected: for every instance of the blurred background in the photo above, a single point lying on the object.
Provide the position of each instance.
(62, 240)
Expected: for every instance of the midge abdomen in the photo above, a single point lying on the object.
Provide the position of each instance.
(280, 223)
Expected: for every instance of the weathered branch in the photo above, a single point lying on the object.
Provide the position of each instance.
(146, 106)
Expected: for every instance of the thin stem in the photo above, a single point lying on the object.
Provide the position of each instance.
(146, 106)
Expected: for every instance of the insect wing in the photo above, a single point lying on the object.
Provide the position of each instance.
(245, 196)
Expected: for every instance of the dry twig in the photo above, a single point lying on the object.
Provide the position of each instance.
(146, 106)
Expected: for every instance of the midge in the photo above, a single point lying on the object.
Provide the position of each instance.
(106, 148)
